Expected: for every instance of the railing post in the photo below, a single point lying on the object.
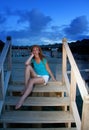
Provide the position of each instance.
(9, 54)
(72, 100)
(5, 67)
(64, 60)
(1, 84)
(72, 87)
(85, 115)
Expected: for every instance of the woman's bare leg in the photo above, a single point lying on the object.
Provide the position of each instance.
(28, 90)
(29, 72)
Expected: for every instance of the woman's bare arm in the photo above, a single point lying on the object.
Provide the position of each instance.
(50, 72)
(29, 59)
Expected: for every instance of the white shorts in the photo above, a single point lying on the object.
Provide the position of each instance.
(45, 77)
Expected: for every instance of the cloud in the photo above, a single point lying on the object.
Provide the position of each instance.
(31, 27)
(37, 20)
(2, 18)
(33, 23)
(77, 28)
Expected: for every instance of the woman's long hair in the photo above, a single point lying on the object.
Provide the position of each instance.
(40, 51)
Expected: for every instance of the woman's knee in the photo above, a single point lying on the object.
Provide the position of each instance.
(32, 81)
(28, 67)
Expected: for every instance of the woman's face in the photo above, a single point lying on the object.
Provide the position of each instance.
(35, 51)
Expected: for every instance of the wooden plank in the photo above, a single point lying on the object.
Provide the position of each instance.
(41, 88)
(3, 54)
(76, 115)
(39, 101)
(85, 116)
(36, 117)
(2, 83)
(78, 77)
(64, 63)
(7, 78)
(67, 82)
(18, 74)
(19, 78)
(38, 129)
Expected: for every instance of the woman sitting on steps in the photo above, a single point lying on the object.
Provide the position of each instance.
(38, 74)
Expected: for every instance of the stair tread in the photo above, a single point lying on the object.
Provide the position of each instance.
(38, 129)
(37, 117)
(50, 87)
(39, 101)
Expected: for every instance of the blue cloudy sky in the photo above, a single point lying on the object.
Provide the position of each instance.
(44, 21)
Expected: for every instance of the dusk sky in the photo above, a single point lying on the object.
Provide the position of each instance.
(43, 22)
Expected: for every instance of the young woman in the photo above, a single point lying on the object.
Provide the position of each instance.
(38, 74)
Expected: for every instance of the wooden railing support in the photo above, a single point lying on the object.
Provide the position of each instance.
(64, 62)
(9, 55)
(75, 79)
(85, 114)
(72, 87)
(5, 70)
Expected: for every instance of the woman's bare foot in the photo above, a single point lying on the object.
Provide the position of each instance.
(19, 104)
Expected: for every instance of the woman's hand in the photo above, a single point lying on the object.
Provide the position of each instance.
(32, 55)
(29, 59)
(54, 79)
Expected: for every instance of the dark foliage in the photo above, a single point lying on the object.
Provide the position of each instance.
(80, 47)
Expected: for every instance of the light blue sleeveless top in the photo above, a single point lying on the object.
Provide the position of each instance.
(40, 68)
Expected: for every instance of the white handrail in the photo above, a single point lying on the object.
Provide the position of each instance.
(75, 79)
(79, 79)
(5, 71)
(4, 54)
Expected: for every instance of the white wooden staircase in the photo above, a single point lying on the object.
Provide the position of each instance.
(50, 107)
(42, 107)
(46, 108)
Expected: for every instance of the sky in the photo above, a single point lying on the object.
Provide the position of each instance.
(44, 22)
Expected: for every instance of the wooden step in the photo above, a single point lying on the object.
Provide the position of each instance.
(39, 101)
(36, 117)
(50, 87)
(38, 128)
(18, 70)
